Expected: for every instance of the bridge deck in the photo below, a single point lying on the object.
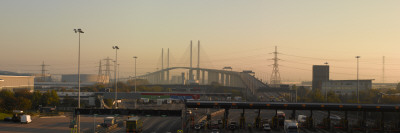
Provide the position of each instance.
(294, 106)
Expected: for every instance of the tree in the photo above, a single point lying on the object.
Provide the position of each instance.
(50, 98)
(333, 98)
(316, 96)
(54, 100)
(303, 94)
(36, 99)
(23, 103)
(8, 100)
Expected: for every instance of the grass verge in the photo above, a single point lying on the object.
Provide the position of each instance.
(3, 115)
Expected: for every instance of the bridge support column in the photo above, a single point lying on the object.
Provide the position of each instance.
(168, 81)
(162, 75)
(190, 74)
(212, 77)
(222, 79)
(202, 77)
(183, 78)
(227, 80)
(198, 75)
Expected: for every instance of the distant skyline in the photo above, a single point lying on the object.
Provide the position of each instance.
(235, 33)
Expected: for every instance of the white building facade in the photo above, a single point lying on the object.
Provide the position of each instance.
(343, 87)
(15, 83)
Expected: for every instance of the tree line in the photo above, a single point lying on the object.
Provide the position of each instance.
(25, 100)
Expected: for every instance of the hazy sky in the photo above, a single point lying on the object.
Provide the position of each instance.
(237, 33)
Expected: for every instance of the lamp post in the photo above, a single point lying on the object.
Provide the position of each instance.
(135, 57)
(358, 82)
(79, 31)
(115, 74)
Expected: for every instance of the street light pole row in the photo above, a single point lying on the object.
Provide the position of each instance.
(79, 31)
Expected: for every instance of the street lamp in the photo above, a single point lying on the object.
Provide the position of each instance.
(115, 73)
(358, 82)
(326, 91)
(135, 57)
(79, 31)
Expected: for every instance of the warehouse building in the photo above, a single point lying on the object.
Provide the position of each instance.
(16, 83)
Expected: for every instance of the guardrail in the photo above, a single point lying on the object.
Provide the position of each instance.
(295, 106)
(174, 113)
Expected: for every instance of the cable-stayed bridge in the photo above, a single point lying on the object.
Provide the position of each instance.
(202, 76)
(206, 76)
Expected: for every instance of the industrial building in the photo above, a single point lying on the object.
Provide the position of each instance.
(16, 83)
(320, 74)
(85, 78)
(345, 87)
(340, 87)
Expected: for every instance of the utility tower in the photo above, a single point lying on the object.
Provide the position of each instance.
(44, 72)
(108, 69)
(100, 76)
(275, 77)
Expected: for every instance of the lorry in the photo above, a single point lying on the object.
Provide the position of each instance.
(134, 125)
(281, 118)
(26, 119)
(291, 126)
(108, 121)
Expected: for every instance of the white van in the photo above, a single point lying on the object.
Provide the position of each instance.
(26, 119)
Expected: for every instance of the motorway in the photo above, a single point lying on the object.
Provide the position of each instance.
(250, 115)
(154, 124)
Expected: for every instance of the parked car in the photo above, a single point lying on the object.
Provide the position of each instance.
(8, 119)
